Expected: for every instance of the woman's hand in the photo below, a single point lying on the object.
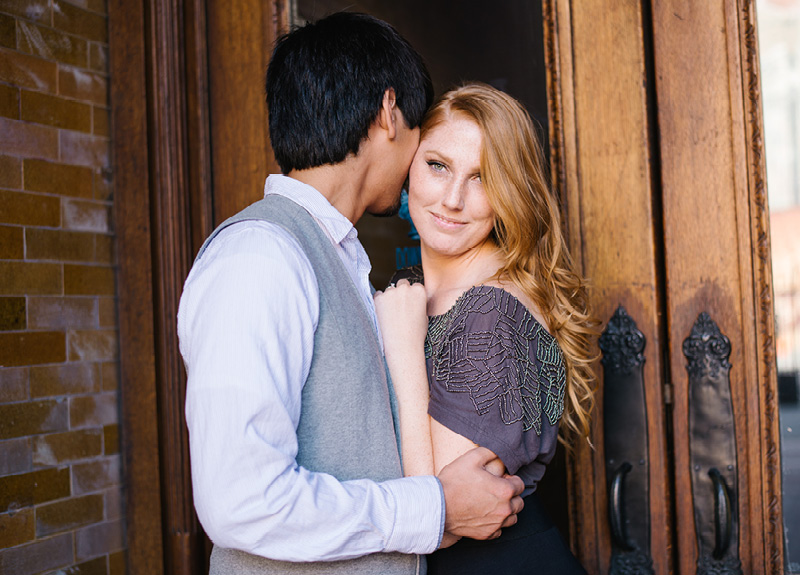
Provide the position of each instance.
(402, 317)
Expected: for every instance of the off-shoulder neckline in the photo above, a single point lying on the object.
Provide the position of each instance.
(481, 288)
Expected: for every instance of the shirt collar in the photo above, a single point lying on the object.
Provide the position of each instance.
(332, 221)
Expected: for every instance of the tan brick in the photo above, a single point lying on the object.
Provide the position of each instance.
(12, 244)
(108, 311)
(8, 32)
(105, 249)
(16, 528)
(54, 111)
(93, 410)
(38, 556)
(110, 373)
(52, 44)
(88, 280)
(64, 379)
(20, 278)
(69, 514)
(81, 23)
(95, 475)
(10, 172)
(116, 563)
(31, 348)
(29, 418)
(102, 185)
(59, 448)
(83, 85)
(99, 539)
(111, 439)
(15, 456)
(18, 491)
(13, 384)
(100, 117)
(92, 345)
(12, 314)
(96, 566)
(28, 140)
(27, 71)
(34, 10)
(113, 501)
(62, 312)
(84, 149)
(60, 179)
(87, 216)
(58, 245)
(9, 101)
(29, 209)
(98, 57)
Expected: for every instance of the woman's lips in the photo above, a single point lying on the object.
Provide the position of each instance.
(445, 221)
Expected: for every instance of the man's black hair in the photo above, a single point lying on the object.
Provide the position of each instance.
(325, 86)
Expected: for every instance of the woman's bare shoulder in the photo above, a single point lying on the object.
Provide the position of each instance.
(523, 298)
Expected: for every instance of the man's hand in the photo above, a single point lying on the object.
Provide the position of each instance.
(478, 503)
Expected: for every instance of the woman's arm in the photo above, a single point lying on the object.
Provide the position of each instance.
(427, 446)
(448, 445)
(403, 322)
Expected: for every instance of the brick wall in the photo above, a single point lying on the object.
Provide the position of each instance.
(60, 500)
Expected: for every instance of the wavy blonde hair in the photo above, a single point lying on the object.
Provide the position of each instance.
(528, 232)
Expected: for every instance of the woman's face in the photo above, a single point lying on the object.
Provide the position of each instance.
(446, 198)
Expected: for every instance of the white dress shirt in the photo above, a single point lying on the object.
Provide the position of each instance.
(246, 325)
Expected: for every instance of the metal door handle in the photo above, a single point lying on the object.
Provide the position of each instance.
(722, 514)
(615, 507)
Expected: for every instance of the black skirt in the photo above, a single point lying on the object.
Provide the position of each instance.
(534, 545)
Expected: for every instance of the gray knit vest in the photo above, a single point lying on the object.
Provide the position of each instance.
(348, 411)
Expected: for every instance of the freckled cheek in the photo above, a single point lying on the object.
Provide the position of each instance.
(419, 189)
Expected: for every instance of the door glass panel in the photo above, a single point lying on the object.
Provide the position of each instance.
(779, 38)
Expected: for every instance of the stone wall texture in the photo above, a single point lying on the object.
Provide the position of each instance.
(60, 487)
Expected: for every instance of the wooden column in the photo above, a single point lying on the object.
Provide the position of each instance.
(240, 37)
(138, 390)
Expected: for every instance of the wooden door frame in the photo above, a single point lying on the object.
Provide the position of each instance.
(162, 106)
(574, 88)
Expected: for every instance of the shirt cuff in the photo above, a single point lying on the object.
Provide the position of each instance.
(419, 519)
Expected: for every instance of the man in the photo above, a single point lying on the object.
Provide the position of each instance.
(295, 462)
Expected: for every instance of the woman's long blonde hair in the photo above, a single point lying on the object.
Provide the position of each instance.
(528, 231)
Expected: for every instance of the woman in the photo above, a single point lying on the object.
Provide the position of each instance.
(493, 349)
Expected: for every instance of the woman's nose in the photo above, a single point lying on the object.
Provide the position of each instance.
(454, 198)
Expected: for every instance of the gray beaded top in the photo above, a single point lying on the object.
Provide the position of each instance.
(494, 370)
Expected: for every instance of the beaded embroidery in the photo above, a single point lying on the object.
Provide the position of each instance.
(515, 364)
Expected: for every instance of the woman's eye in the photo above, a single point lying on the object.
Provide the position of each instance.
(436, 166)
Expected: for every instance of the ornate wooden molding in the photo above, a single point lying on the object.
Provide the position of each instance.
(577, 499)
(763, 288)
(176, 103)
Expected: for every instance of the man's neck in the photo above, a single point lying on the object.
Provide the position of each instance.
(342, 185)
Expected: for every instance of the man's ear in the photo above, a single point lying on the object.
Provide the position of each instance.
(387, 117)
